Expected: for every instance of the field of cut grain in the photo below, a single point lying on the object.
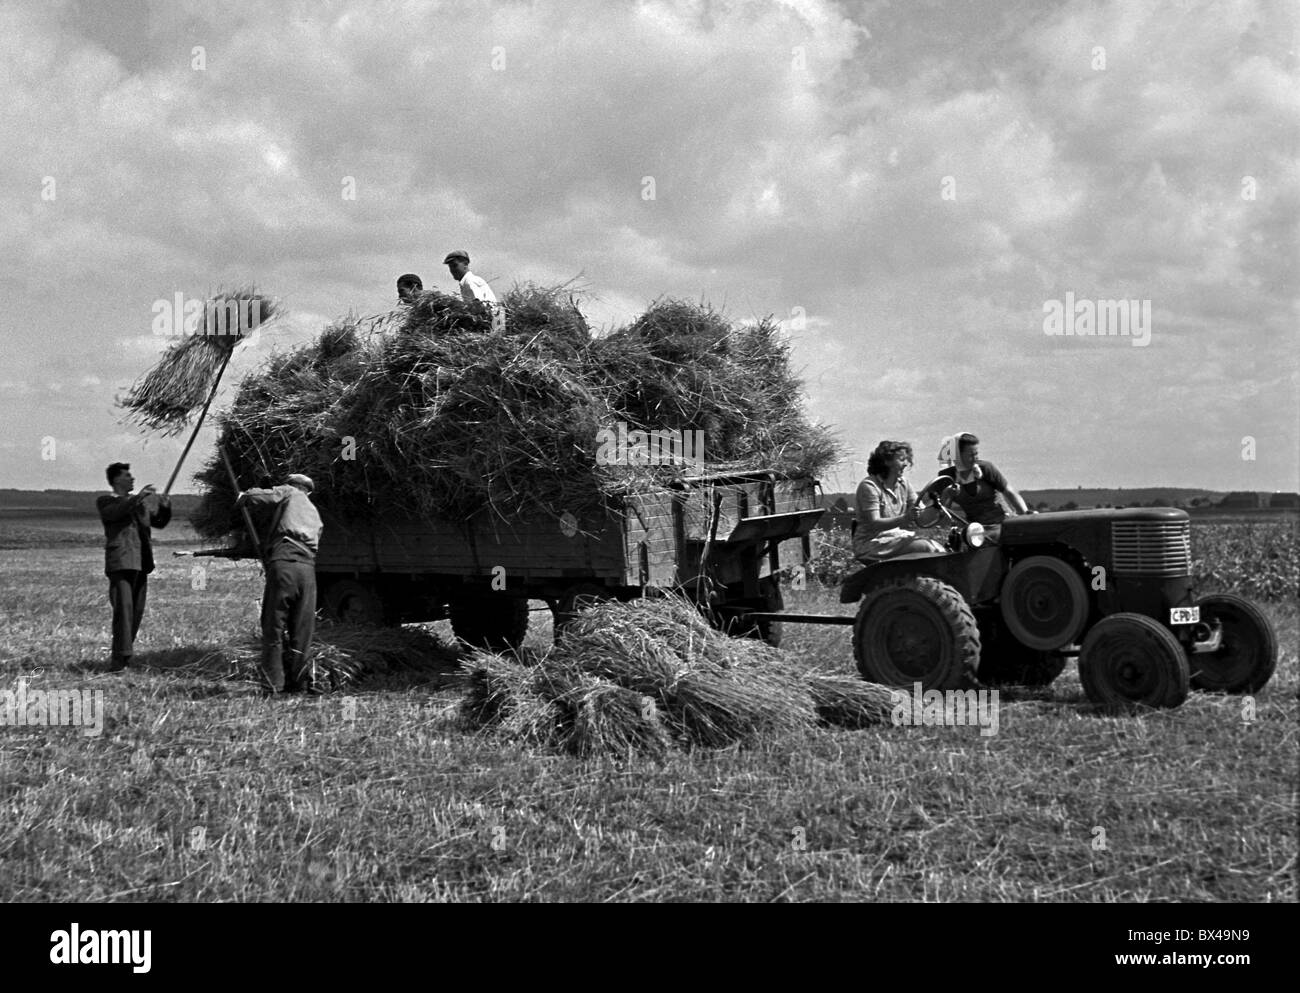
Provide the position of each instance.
(196, 789)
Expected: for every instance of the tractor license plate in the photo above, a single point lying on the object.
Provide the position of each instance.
(1184, 615)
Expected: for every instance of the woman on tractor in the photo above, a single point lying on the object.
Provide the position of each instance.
(886, 508)
(972, 483)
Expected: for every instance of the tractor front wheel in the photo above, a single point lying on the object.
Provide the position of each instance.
(1131, 660)
(1044, 603)
(1247, 653)
(916, 629)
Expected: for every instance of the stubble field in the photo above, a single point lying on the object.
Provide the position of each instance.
(199, 790)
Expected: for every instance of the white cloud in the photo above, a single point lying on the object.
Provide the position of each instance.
(797, 150)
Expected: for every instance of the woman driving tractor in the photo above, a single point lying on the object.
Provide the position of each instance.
(972, 484)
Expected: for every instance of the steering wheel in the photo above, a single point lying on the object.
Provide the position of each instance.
(934, 509)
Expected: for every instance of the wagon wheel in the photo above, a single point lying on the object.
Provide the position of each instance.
(353, 602)
(916, 629)
(1247, 654)
(1130, 659)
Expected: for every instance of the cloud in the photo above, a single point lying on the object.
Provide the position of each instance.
(916, 178)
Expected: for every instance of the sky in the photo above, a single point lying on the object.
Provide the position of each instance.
(913, 188)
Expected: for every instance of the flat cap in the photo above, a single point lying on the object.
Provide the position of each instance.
(298, 479)
(457, 254)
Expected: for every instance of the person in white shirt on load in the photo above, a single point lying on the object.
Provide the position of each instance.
(475, 290)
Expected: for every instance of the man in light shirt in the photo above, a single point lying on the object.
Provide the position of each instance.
(474, 290)
(289, 600)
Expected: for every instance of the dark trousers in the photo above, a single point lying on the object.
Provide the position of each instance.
(288, 623)
(126, 594)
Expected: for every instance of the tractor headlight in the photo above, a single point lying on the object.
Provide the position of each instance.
(975, 534)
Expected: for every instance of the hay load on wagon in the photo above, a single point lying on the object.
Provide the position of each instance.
(438, 415)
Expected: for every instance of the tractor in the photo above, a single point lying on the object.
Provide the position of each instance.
(1009, 604)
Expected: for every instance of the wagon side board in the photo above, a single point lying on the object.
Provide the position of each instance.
(527, 549)
(651, 538)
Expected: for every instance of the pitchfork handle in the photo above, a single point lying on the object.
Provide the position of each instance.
(202, 414)
(248, 518)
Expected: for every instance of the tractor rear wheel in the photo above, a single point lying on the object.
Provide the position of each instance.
(490, 621)
(916, 629)
(1131, 660)
(1247, 654)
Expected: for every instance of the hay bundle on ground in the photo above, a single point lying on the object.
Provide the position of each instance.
(447, 417)
(606, 718)
(640, 676)
(652, 639)
(344, 655)
(848, 702)
(522, 703)
(165, 397)
(718, 709)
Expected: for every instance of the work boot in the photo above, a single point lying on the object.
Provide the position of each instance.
(119, 662)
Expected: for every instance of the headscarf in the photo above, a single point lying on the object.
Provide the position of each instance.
(949, 454)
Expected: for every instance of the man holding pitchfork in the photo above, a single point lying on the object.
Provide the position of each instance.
(128, 554)
(289, 600)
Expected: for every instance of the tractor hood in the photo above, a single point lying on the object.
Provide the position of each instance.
(1054, 525)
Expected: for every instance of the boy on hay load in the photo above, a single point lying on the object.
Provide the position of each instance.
(409, 286)
(475, 290)
(128, 554)
(289, 600)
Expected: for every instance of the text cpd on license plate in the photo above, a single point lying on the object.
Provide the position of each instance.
(1184, 615)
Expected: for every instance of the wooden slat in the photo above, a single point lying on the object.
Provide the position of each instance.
(526, 549)
(649, 522)
(666, 523)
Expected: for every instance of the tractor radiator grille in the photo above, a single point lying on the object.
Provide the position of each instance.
(1152, 548)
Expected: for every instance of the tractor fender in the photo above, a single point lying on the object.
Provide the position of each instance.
(976, 574)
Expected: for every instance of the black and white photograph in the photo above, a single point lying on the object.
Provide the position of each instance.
(648, 452)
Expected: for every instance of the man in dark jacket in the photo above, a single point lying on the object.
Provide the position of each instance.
(289, 600)
(128, 554)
